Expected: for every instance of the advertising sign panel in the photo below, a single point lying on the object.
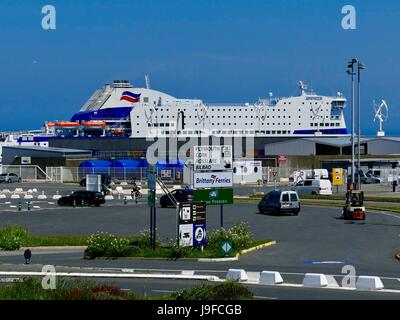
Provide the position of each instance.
(222, 179)
(211, 158)
(214, 196)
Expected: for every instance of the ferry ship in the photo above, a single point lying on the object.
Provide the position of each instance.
(121, 109)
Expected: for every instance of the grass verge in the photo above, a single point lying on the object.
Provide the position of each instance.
(31, 289)
(174, 252)
(332, 197)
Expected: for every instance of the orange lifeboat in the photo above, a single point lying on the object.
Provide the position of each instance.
(94, 123)
(66, 124)
(50, 124)
(117, 131)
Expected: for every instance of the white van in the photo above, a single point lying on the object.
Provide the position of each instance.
(314, 186)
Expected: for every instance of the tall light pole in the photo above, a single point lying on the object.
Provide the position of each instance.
(350, 66)
(360, 66)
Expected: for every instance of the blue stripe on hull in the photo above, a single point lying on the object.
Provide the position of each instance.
(119, 113)
(323, 131)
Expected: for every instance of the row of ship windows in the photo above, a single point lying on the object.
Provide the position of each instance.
(325, 124)
(247, 117)
(230, 132)
(241, 110)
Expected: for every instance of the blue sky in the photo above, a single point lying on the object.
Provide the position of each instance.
(218, 51)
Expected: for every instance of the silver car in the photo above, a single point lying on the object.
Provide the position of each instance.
(9, 177)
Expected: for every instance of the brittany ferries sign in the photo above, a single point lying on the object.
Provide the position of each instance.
(214, 179)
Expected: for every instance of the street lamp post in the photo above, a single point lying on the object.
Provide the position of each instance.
(350, 66)
(360, 66)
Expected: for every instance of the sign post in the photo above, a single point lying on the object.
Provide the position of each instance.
(151, 202)
(192, 224)
(337, 178)
(213, 176)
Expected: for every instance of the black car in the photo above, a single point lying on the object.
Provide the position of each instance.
(181, 195)
(105, 179)
(86, 198)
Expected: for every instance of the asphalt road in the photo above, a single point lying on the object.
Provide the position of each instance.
(317, 240)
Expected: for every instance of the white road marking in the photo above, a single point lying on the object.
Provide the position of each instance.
(266, 298)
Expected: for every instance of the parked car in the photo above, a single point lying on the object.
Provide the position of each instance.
(105, 179)
(181, 195)
(314, 186)
(371, 178)
(278, 201)
(9, 177)
(366, 178)
(87, 198)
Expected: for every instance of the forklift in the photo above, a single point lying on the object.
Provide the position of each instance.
(354, 208)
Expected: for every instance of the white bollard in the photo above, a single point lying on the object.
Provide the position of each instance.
(237, 275)
(119, 190)
(315, 280)
(270, 277)
(42, 196)
(369, 283)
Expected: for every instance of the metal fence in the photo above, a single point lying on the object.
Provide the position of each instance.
(75, 174)
(26, 172)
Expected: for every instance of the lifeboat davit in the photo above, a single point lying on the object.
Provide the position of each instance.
(94, 123)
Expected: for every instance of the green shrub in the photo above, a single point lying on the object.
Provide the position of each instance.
(239, 235)
(117, 247)
(144, 239)
(229, 290)
(103, 244)
(178, 252)
(11, 237)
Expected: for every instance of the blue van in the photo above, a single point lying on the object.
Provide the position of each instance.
(278, 201)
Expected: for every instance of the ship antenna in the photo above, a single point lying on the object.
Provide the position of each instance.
(147, 79)
(303, 87)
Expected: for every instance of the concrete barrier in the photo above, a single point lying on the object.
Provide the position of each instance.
(237, 275)
(369, 283)
(109, 197)
(42, 196)
(270, 277)
(315, 280)
(15, 196)
(119, 190)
